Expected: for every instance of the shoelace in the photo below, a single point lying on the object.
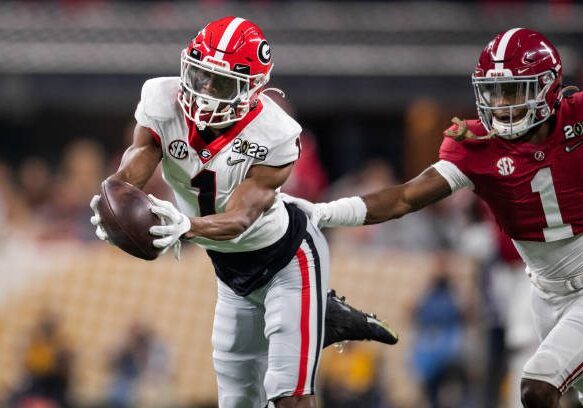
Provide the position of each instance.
(343, 301)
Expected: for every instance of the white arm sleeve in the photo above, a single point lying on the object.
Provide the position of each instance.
(347, 212)
(453, 175)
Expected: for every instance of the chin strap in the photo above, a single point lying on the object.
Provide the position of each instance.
(200, 124)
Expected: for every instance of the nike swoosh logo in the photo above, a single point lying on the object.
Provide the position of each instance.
(234, 162)
(569, 149)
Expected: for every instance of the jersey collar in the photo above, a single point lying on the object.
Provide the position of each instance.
(207, 151)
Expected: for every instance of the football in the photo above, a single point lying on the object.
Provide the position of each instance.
(126, 216)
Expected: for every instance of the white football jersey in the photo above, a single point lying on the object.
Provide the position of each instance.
(203, 176)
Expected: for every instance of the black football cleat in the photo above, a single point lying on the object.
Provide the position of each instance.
(343, 323)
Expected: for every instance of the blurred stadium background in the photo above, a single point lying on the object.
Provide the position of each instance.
(373, 84)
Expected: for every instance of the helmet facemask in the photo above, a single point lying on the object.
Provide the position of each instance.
(512, 105)
(213, 95)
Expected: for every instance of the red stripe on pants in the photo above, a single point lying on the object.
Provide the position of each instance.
(304, 322)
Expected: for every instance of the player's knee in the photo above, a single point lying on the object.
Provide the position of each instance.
(238, 380)
(221, 363)
(538, 394)
(277, 383)
(542, 365)
(281, 378)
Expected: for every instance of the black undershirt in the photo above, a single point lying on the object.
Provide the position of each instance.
(245, 272)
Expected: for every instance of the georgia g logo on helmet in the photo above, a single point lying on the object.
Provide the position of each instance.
(264, 52)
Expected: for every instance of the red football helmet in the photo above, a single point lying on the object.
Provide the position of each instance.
(222, 70)
(517, 82)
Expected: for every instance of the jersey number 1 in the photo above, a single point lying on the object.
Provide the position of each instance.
(206, 182)
(542, 183)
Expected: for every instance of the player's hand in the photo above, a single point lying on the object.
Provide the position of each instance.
(315, 212)
(459, 131)
(96, 220)
(174, 225)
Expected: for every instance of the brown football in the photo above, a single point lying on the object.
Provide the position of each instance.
(126, 216)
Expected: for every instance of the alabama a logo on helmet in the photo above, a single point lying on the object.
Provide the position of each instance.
(264, 52)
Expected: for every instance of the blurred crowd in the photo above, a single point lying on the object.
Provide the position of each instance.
(42, 201)
(139, 367)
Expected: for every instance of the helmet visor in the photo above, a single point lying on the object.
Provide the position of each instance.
(208, 83)
(507, 100)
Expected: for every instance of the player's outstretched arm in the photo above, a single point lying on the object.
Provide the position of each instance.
(250, 199)
(383, 205)
(396, 201)
(140, 160)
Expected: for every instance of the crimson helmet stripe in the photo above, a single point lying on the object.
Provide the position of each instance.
(227, 35)
(501, 50)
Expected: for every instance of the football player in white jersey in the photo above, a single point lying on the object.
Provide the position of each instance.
(225, 149)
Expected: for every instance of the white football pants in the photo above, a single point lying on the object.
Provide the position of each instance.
(267, 345)
(559, 324)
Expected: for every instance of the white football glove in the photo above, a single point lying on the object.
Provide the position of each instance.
(345, 212)
(96, 220)
(315, 212)
(174, 224)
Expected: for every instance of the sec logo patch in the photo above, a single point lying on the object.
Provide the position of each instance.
(178, 149)
(505, 166)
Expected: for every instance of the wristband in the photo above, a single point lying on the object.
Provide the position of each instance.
(348, 212)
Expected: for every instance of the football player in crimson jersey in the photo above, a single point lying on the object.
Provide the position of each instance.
(225, 149)
(524, 158)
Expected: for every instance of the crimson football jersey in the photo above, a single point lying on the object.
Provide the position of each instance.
(534, 191)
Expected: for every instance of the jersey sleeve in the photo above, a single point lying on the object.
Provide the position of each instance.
(156, 104)
(144, 120)
(142, 117)
(455, 163)
(286, 152)
(454, 177)
(281, 135)
(453, 152)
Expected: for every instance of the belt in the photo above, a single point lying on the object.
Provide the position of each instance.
(560, 286)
